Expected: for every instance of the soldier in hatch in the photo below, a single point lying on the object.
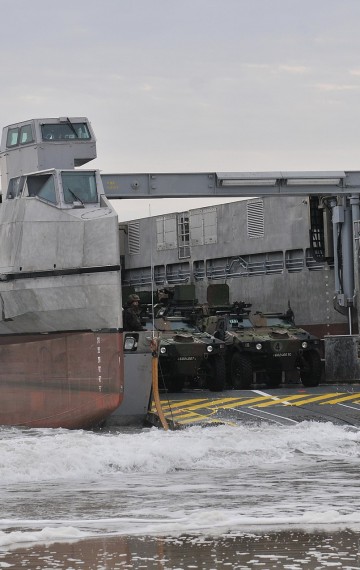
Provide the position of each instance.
(132, 320)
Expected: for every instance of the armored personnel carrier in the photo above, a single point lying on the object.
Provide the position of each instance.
(187, 356)
(269, 343)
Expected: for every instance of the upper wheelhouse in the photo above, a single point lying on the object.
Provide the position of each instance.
(42, 144)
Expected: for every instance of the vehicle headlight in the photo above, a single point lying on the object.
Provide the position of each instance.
(130, 343)
(162, 350)
(258, 346)
(304, 344)
(209, 348)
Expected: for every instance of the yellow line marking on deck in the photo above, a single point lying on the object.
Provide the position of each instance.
(176, 403)
(189, 411)
(316, 399)
(285, 400)
(201, 419)
(228, 400)
(342, 399)
(181, 416)
(192, 416)
(213, 403)
(184, 410)
(246, 401)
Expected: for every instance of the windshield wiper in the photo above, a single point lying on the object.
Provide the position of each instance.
(72, 127)
(74, 196)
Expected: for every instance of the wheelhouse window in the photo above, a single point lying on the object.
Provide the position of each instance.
(42, 186)
(15, 187)
(79, 187)
(19, 135)
(12, 137)
(64, 131)
(26, 135)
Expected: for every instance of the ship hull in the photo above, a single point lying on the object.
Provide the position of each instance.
(71, 380)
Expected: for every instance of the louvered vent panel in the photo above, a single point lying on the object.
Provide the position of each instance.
(134, 238)
(255, 219)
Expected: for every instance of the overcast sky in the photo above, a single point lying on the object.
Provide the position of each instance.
(190, 85)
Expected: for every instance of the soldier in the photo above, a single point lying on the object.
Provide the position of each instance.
(132, 320)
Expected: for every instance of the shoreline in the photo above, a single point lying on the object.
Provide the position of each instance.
(270, 550)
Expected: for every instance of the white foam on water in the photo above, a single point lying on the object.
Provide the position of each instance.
(198, 523)
(67, 485)
(45, 535)
(51, 455)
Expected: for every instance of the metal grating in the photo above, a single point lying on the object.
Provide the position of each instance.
(134, 238)
(255, 219)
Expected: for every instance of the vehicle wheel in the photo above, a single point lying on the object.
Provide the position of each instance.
(310, 368)
(216, 378)
(274, 378)
(241, 371)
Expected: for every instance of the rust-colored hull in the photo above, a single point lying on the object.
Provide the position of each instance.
(322, 330)
(61, 380)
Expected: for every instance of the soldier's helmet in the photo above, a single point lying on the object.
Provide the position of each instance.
(132, 298)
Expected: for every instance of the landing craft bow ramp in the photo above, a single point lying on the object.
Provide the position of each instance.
(285, 407)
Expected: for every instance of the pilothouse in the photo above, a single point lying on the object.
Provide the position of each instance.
(60, 288)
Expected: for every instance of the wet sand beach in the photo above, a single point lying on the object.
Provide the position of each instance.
(292, 550)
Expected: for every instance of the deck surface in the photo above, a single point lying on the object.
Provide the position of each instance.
(339, 404)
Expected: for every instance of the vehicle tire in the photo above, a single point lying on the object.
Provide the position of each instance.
(310, 369)
(274, 378)
(241, 371)
(216, 379)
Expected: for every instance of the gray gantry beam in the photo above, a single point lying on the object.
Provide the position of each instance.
(230, 184)
(342, 187)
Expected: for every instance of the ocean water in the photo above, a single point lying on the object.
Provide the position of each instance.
(67, 487)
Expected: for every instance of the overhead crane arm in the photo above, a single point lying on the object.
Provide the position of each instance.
(230, 184)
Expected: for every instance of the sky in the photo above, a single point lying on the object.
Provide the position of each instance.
(190, 85)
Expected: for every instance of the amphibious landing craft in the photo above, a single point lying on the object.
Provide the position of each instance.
(61, 346)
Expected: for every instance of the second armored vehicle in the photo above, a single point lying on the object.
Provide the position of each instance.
(261, 344)
(264, 342)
